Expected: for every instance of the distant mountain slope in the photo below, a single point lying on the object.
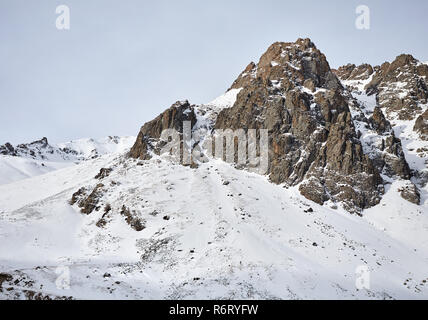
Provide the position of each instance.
(39, 157)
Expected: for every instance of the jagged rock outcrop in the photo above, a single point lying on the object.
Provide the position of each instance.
(88, 201)
(399, 93)
(353, 72)
(172, 118)
(379, 122)
(400, 87)
(8, 150)
(35, 149)
(385, 149)
(42, 150)
(411, 193)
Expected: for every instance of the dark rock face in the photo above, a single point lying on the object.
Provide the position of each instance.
(172, 118)
(4, 277)
(379, 122)
(421, 126)
(311, 135)
(8, 150)
(394, 160)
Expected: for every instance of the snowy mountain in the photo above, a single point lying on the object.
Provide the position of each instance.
(39, 157)
(398, 93)
(341, 212)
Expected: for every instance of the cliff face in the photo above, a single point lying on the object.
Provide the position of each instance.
(150, 133)
(294, 94)
(322, 138)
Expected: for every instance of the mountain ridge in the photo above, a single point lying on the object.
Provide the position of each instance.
(39, 157)
(293, 88)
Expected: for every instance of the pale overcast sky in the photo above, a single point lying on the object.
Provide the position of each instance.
(124, 61)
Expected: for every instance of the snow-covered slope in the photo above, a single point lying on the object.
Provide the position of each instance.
(92, 148)
(39, 157)
(210, 232)
(18, 168)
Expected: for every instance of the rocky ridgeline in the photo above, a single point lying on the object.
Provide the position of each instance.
(400, 87)
(314, 141)
(39, 149)
(73, 151)
(400, 92)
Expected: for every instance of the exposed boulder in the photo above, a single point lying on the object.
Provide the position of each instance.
(88, 202)
(104, 173)
(4, 277)
(379, 122)
(410, 193)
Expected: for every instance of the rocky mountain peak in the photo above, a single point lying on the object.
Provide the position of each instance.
(293, 93)
(288, 65)
(42, 142)
(36, 149)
